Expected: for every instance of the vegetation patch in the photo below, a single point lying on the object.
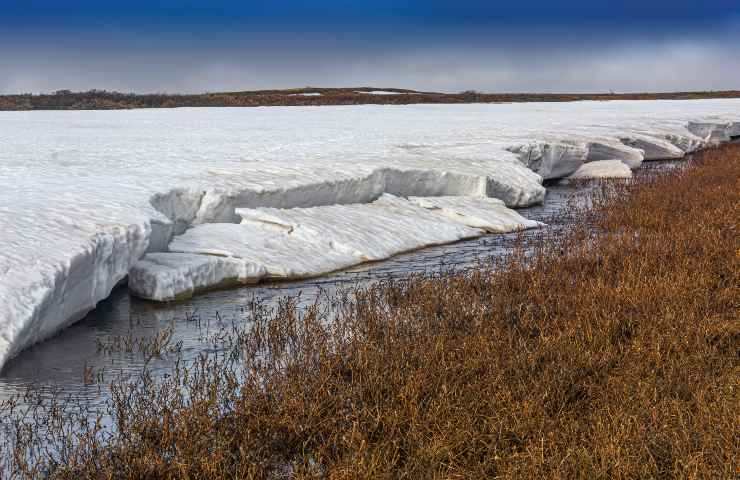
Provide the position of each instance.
(105, 100)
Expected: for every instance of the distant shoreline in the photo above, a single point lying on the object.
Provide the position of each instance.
(312, 96)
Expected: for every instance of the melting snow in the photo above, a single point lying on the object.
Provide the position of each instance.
(306, 242)
(603, 169)
(172, 276)
(487, 214)
(85, 195)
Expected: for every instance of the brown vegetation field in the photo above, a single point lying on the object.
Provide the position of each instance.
(104, 100)
(610, 352)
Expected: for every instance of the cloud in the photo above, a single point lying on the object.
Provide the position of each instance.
(505, 61)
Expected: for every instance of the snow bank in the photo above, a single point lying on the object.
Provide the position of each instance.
(280, 254)
(305, 242)
(487, 214)
(85, 195)
(551, 160)
(601, 150)
(715, 132)
(176, 276)
(510, 181)
(603, 169)
(654, 148)
(38, 299)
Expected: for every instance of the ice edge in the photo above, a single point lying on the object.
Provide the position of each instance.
(55, 301)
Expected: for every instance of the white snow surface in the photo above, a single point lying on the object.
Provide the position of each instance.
(165, 276)
(601, 150)
(488, 214)
(307, 94)
(603, 169)
(306, 242)
(84, 195)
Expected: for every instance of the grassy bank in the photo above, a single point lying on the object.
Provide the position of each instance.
(104, 100)
(611, 352)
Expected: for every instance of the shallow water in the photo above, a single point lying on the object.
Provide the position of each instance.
(59, 364)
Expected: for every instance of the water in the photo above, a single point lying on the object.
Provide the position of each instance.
(59, 365)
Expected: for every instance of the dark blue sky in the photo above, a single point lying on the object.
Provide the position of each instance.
(190, 45)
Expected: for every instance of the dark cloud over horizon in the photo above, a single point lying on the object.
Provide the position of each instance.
(192, 46)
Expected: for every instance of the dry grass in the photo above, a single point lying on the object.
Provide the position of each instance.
(104, 100)
(150, 347)
(614, 353)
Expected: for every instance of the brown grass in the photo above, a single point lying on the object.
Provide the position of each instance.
(613, 353)
(104, 100)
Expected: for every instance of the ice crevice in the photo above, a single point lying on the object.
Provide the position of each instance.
(171, 227)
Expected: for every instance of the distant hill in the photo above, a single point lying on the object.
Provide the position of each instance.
(104, 100)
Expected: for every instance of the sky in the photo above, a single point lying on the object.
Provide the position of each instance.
(190, 46)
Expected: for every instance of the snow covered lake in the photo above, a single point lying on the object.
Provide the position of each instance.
(86, 195)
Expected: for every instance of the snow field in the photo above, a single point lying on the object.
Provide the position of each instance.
(244, 194)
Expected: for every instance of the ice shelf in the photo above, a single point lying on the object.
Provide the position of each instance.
(488, 214)
(600, 150)
(88, 198)
(169, 276)
(306, 242)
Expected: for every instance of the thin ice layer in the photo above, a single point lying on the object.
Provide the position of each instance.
(169, 276)
(488, 214)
